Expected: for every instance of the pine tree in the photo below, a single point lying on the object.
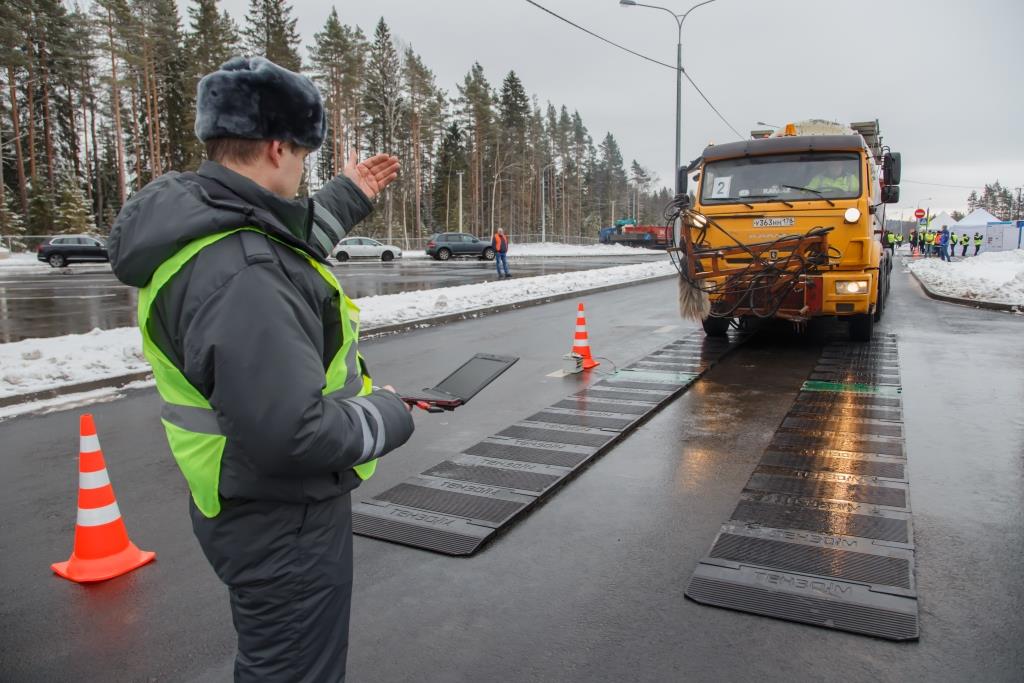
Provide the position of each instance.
(12, 224)
(451, 159)
(42, 209)
(972, 201)
(212, 39)
(73, 215)
(476, 109)
(337, 58)
(424, 114)
(382, 95)
(270, 32)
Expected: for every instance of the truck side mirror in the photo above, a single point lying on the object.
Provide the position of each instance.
(892, 164)
(890, 194)
(681, 180)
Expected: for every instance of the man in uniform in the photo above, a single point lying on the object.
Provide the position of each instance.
(953, 241)
(977, 242)
(269, 409)
(836, 177)
(964, 241)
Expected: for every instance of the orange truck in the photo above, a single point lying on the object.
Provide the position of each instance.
(789, 225)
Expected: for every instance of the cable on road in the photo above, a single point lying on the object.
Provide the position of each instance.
(641, 56)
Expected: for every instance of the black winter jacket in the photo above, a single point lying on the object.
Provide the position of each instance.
(253, 327)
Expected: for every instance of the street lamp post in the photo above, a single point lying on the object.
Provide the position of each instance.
(679, 18)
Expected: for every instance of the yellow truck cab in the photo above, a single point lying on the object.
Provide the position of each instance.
(761, 195)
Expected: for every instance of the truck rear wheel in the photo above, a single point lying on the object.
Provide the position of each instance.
(716, 327)
(861, 327)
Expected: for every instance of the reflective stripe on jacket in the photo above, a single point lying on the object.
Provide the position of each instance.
(193, 433)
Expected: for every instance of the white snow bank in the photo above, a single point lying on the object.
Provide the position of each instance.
(37, 364)
(390, 309)
(996, 277)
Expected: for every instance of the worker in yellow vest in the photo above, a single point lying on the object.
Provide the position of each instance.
(268, 407)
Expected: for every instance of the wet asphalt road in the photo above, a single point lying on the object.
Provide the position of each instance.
(82, 297)
(589, 587)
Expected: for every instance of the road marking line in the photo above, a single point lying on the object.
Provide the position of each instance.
(666, 328)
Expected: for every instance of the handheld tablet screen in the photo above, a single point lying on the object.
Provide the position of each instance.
(477, 373)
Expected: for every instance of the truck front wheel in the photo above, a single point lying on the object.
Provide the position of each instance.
(861, 327)
(716, 327)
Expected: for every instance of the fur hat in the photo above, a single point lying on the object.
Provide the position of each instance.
(255, 99)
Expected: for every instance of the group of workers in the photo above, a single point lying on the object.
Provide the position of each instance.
(941, 243)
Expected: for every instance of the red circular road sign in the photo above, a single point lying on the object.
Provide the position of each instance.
(919, 213)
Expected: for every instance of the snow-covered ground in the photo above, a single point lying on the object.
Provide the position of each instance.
(996, 277)
(37, 364)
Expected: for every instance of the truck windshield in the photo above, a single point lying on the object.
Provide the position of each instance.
(782, 177)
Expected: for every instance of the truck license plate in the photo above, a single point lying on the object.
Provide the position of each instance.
(773, 222)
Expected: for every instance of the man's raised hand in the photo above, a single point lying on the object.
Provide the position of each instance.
(372, 175)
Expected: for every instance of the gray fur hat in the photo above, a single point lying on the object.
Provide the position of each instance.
(255, 99)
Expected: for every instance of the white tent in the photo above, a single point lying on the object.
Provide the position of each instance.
(998, 235)
(943, 219)
(977, 220)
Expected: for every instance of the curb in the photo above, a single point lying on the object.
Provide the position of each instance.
(118, 381)
(972, 303)
(370, 333)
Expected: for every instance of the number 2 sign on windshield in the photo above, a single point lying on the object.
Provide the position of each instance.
(720, 187)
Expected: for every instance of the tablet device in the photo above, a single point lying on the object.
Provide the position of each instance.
(463, 384)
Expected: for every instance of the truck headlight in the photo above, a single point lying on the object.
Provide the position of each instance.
(852, 215)
(851, 287)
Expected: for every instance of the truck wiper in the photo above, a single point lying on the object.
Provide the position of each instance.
(807, 189)
(773, 197)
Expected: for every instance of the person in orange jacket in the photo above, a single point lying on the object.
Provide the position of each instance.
(500, 245)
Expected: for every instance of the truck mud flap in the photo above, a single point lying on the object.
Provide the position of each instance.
(458, 505)
(823, 534)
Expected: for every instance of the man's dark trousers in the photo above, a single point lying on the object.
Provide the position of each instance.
(500, 260)
(288, 568)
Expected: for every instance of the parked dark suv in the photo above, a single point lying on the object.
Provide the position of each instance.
(64, 249)
(445, 245)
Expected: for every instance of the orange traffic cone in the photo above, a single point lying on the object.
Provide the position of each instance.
(581, 344)
(102, 547)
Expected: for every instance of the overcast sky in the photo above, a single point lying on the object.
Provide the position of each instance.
(944, 78)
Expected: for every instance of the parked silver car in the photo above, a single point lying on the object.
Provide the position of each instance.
(364, 247)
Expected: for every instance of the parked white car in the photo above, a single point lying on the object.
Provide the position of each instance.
(364, 247)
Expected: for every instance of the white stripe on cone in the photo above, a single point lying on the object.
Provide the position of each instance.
(89, 444)
(581, 328)
(98, 516)
(93, 480)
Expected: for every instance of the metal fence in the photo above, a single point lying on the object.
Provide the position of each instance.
(24, 243)
(420, 243)
(29, 243)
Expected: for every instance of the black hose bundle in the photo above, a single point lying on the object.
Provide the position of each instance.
(751, 288)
